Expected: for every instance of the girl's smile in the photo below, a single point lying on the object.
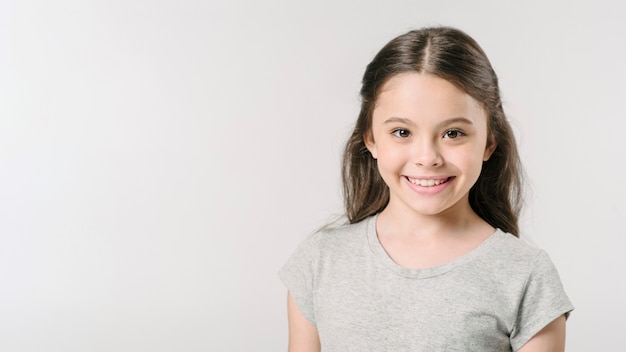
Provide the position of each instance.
(429, 185)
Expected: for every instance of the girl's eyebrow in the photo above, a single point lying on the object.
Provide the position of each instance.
(447, 122)
(454, 120)
(399, 119)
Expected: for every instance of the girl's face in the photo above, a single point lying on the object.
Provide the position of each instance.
(430, 140)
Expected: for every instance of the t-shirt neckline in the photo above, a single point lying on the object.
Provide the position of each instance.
(423, 273)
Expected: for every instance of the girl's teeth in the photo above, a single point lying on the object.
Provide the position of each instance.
(426, 183)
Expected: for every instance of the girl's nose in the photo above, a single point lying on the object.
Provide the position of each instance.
(427, 154)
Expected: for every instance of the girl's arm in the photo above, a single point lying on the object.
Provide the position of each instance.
(303, 335)
(549, 339)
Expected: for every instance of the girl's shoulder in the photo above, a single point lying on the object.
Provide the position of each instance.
(332, 243)
(339, 233)
(512, 245)
(336, 239)
(516, 253)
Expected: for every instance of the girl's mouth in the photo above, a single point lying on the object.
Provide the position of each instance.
(428, 182)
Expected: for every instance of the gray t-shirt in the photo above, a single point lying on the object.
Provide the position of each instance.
(494, 298)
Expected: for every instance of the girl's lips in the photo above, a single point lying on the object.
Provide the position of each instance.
(430, 185)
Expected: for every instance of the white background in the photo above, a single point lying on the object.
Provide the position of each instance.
(160, 160)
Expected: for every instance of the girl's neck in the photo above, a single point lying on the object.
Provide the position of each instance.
(454, 222)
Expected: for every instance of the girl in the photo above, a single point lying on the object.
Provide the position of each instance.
(430, 258)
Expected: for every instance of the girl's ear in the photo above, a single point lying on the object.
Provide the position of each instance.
(491, 146)
(368, 138)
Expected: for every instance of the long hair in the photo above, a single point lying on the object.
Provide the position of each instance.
(453, 55)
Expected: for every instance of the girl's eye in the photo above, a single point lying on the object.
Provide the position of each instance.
(401, 133)
(452, 134)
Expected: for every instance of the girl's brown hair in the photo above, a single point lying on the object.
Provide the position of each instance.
(453, 55)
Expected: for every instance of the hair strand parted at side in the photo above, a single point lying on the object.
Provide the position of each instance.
(450, 54)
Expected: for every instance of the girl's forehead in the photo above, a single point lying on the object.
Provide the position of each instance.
(417, 94)
(420, 84)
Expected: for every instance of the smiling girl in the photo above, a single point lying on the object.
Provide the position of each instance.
(429, 259)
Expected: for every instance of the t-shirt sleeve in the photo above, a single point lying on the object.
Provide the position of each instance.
(543, 301)
(298, 275)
